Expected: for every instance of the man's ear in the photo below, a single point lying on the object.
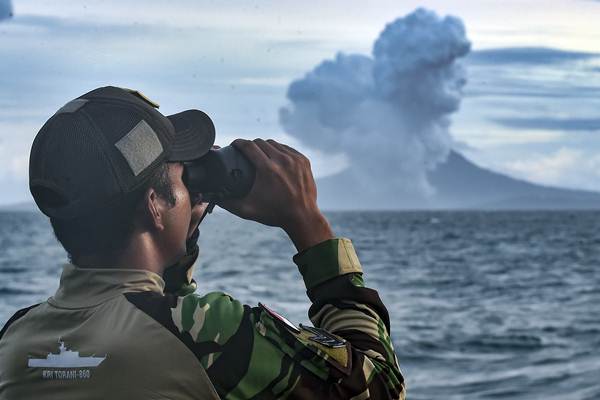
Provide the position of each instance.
(155, 209)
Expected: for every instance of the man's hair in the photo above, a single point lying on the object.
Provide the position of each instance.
(106, 233)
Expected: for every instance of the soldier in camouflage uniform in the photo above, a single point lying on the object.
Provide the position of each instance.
(125, 325)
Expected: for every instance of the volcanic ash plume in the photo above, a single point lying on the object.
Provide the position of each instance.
(6, 10)
(388, 113)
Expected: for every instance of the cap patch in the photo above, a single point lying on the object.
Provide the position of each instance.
(140, 147)
(72, 106)
(143, 97)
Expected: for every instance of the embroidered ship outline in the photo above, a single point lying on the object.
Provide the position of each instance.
(65, 359)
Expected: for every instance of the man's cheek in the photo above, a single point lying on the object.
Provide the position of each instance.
(181, 195)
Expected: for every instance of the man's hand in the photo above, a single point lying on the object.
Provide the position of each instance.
(284, 193)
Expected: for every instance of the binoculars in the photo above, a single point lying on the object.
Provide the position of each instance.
(220, 174)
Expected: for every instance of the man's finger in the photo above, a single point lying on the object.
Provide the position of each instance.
(272, 151)
(253, 152)
(292, 150)
(283, 153)
(277, 145)
(284, 147)
(269, 150)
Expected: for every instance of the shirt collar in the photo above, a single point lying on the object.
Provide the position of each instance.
(86, 287)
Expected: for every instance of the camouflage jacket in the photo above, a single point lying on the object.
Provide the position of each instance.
(157, 345)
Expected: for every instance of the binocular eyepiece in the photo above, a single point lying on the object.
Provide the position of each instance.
(220, 174)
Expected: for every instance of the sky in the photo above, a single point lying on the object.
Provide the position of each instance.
(529, 105)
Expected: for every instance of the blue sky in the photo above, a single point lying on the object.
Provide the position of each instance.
(531, 113)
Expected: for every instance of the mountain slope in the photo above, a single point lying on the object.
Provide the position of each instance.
(459, 184)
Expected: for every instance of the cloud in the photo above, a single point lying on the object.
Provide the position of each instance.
(533, 72)
(387, 112)
(232, 73)
(551, 124)
(528, 104)
(6, 10)
(567, 167)
(527, 55)
(58, 29)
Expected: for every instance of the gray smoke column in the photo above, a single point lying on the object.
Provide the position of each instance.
(389, 113)
(6, 10)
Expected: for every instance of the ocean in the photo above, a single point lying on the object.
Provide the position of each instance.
(483, 305)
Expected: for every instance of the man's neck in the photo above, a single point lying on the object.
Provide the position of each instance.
(141, 253)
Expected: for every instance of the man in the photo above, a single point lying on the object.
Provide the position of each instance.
(125, 322)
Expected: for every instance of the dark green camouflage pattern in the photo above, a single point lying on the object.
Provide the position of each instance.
(266, 359)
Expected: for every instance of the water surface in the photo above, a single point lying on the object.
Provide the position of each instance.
(484, 305)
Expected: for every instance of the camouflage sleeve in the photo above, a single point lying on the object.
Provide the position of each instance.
(343, 306)
(253, 353)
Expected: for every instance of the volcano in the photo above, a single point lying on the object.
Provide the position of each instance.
(459, 184)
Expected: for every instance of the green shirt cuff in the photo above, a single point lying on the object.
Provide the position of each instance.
(327, 260)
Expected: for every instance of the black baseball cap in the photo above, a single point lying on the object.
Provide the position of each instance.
(102, 146)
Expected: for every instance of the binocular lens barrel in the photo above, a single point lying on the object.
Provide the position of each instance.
(220, 174)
